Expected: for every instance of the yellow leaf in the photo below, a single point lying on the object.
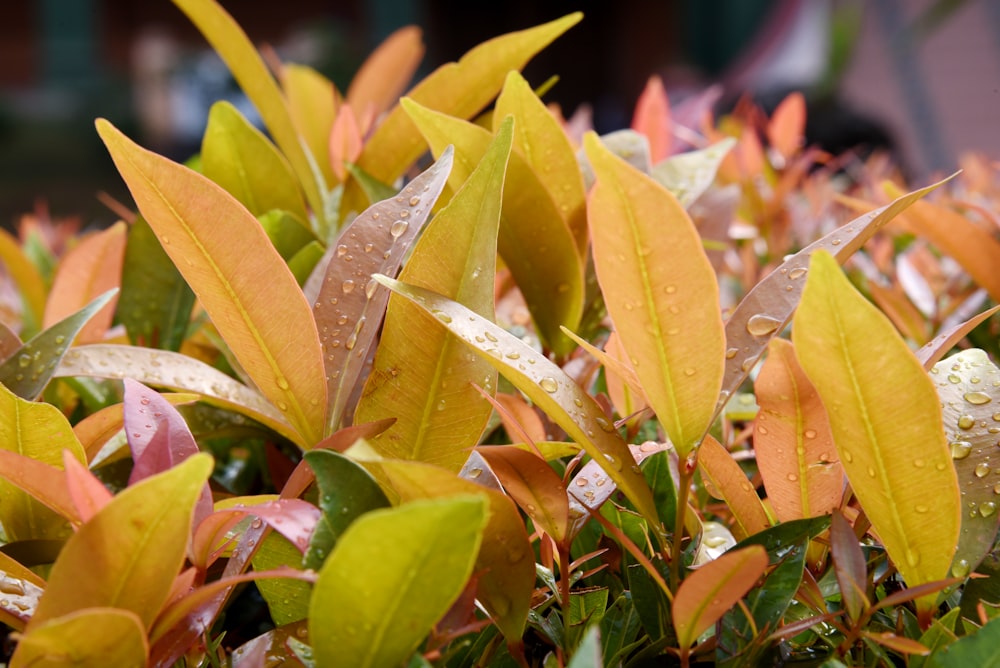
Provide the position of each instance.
(886, 421)
(129, 553)
(792, 439)
(540, 140)
(535, 243)
(249, 70)
(422, 376)
(731, 484)
(38, 431)
(238, 276)
(30, 285)
(459, 89)
(90, 269)
(661, 293)
(90, 638)
(312, 102)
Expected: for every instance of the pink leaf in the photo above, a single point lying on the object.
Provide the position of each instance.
(652, 118)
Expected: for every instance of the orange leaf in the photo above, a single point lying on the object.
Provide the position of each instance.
(625, 391)
(345, 140)
(661, 293)
(652, 118)
(238, 276)
(786, 129)
(709, 592)
(90, 269)
(86, 492)
(386, 72)
(520, 418)
(719, 468)
(534, 485)
(795, 450)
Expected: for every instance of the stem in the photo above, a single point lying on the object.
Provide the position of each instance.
(564, 581)
(686, 473)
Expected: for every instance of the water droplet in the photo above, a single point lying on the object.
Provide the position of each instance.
(690, 371)
(731, 353)
(352, 341)
(960, 449)
(987, 508)
(414, 200)
(809, 433)
(615, 463)
(996, 417)
(578, 403)
(341, 250)
(24, 360)
(404, 214)
(848, 456)
(953, 379)
(977, 398)
(548, 384)
(966, 422)
(165, 240)
(513, 355)
(792, 477)
(762, 325)
(797, 272)
(670, 289)
(442, 316)
(921, 508)
(281, 382)
(996, 488)
(397, 229)
(960, 568)
(604, 424)
(761, 429)
(282, 406)
(347, 286)
(369, 247)
(919, 463)
(60, 339)
(982, 470)
(441, 405)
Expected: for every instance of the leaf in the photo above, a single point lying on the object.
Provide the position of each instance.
(652, 118)
(287, 235)
(968, 399)
(176, 372)
(347, 308)
(546, 149)
(729, 480)
(238, 157)
(346, 492)
(91, 269)
(707, 593)
(87, 493)
(39, 433)
(421, 375)
(972, 246)
(312, 102)
(155, 303)
(287, 599)
(849, 566)
(768, 307)
(534, 485)
(930, 353)
(27, 278)
(222, 252)
(393, 574)
(459, 89)
(28, 371)
(534, 242)
(689, 175)
(128, 554)
(72, 640)
(978, 649)
(588, 653)
(505, 565)
(892, 453)
(386, 72)
(786, 127)
(249, 70)
(795, 452)
(657, 305)
(345, 141)
(546, 385)
(23, 589)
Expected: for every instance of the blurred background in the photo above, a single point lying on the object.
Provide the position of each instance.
(920, 78)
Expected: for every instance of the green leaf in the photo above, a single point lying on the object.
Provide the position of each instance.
(287, 599)
(661, 293)
(660, 473)
(768, 307)
(238, 157)
(346, 492)
(304, 262)
(534, 241)
(505, 566)
(650, 603)
(546, 385)
(287, 235)
(40, 432)
(224, 254)
(969, 398)
(979, 649)
(89, 638)
(892, 453)
(588, 654)
(155, 303)
(128, 555)
(176, 372)
(29, 369)
(249, 70)
(392, 576)
(459, 89)
(688, 175)
(421, 375)
(619, 629)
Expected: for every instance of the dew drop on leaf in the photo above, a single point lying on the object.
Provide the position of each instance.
(987, 508)
(977, 398)
(397, 229)
(731, 353)
(982, 470)
(442, 316)
(797, 272)
(762, 325)
(920, 508)
(347, 286)
(341, 250)
(960, 449)
(966, 422)
(281, 382)
(548, 384)
(960, 568)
